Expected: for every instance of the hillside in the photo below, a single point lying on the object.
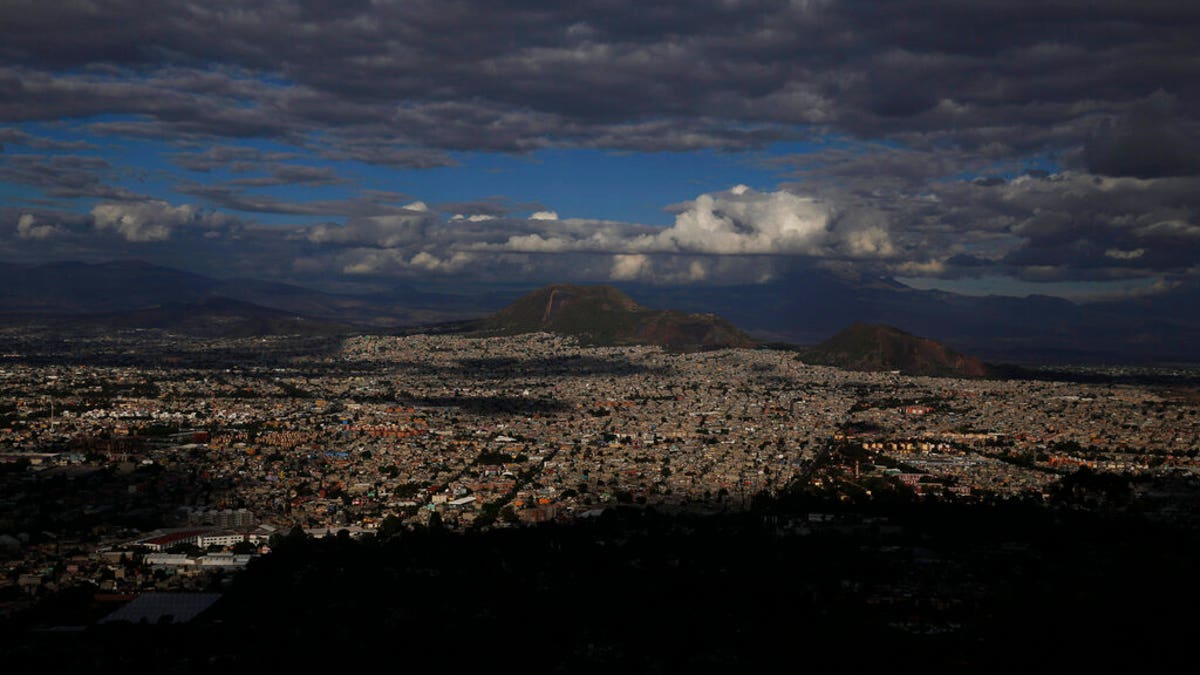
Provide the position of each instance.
(873, 347)
(602, 315)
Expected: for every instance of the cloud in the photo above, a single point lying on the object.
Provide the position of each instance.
(659, 270)
(153, 221)
(627, 267)
(27, 228)
(379, 151)
(952, 213)
(930, 120)
(364, 262)
(402, 85)
(1125, 255)
(740, 221)
(1066, 226)
(715, 238)
(64, 176)
(233, 197)
(291, 174)
(1148, 141)
(18, 137)
(405, 228)
(232, 157)
(498, 207)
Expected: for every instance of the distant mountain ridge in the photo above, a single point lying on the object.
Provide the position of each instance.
(805, 306)
(211, 317)
(802, 306)
(603, 315)
(85, 288)
(216, 317)
(874, 347)
(78, 288)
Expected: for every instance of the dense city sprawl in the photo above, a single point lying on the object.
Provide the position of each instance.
(153, 462)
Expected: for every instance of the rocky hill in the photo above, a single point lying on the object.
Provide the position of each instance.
(873, 347)
(603, 315)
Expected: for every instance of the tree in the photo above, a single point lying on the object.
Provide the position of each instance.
(509, 515)
(245, 546)
(390, 527)
(294, 539)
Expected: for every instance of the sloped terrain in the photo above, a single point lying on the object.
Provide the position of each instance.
(872, 347)
(602, 315)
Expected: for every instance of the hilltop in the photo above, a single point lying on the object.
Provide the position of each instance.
(603, 315)
(874, 347)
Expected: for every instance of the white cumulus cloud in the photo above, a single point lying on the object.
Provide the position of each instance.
(155, 220)
(627, 267)
(27, 228)
(740, 221)
(387, 231)
(743, 221)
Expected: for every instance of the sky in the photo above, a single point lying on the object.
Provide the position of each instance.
(981, 147)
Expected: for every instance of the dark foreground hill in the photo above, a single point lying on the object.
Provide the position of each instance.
(877, 348)
(602, 315)
(980, 589)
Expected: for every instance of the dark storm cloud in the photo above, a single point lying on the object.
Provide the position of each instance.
(515, 76)
(1091, 227)
(1068, 226)
(1149, 141)
(917, 99)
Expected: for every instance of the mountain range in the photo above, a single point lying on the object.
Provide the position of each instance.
(804, 307)
(76, 288)
(807, 306)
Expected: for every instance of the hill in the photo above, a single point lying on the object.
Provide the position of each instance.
(872, 347)
(603, 315)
